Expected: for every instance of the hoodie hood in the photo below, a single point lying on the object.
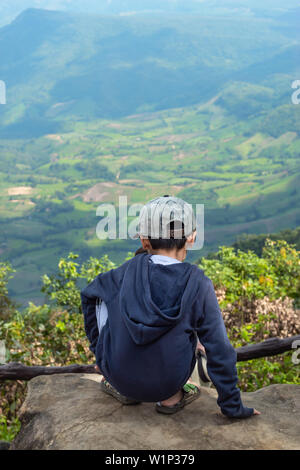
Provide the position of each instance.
(153, 297)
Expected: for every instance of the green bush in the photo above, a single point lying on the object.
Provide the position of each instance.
(8, 429)
(64, 288)
(244, 278)
(259, 373)
(43, 335)
(246, 275)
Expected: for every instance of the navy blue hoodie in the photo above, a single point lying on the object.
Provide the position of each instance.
(155, 313)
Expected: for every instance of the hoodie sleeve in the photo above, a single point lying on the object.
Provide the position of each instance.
(88, 303)
(104, 286)
(221, 357)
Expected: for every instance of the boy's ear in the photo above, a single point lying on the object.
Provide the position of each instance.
(145, 243)
(191, 239)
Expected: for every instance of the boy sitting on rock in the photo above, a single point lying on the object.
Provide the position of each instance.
(144, 320)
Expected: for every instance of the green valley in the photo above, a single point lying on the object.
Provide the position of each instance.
(99, 107)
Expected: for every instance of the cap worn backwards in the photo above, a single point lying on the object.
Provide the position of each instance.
(157, 214)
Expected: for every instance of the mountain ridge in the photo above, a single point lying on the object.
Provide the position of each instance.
(110, 67)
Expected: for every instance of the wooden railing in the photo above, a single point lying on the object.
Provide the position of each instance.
(18, 371)
(269, 347)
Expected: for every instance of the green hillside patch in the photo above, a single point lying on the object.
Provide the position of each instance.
(286, 184)
(283, 119)
(243, 99)
(251, 146)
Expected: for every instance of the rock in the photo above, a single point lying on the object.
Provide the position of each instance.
(69, 411)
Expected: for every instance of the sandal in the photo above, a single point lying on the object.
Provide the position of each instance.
(106, 387)
(190, 393)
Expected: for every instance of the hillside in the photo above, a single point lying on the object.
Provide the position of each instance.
(82, 67)
(206, 155)
(142, 106)
(256, 242)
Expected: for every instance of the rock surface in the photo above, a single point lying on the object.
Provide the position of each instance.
(69, 411)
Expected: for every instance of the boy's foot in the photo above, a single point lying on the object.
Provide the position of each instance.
(190, 393)
(106, 387)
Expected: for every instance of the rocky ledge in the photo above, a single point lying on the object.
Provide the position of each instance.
(69, 411)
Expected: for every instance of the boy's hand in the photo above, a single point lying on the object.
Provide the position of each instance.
(97, 369)
(255, 412)
(200, 347)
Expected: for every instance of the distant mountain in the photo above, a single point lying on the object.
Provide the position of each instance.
(59, 66)
(9, 9)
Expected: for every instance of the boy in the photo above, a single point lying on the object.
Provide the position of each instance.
(154, 310)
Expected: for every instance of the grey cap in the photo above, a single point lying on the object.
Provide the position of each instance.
(156, 215)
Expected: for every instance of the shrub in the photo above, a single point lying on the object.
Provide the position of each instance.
(244, 275)
(64, 288)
